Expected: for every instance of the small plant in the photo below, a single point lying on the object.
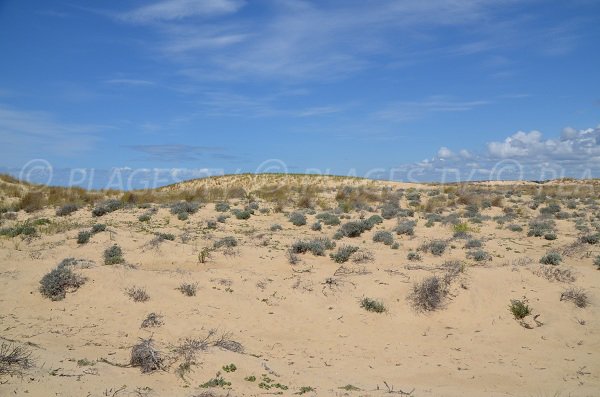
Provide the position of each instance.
(188, 289)
(316, 226)
(217, 381)
(435, 247)
(184, 207)
(297, 219)
(597, 262)
(222, 218)
(429, 294)
(519, 309)
(152, 320)
(67, 209)
(144, 218)
(479, 255)
(228, 242)
(183, 216)
(250, 378)
(461, 230)
(165, 236)
(590, 238)
(316, 246)
(137, 294)
(328, 219)
(229, 368)
(343, 253)
(14, 359)
(113, 255)
(204, 255)
(211, 224)
(106, 207)
(98, 227)
(550, 236)
(405, 228)
(222, 207)
(384, 237)
(61, 280)
(413, 256)
(241, 214)
(473, 243)
(515, 228)
(145, 356)
(305, 389)
(539, 228)
(577, 296)
(551, 258)
(355, 228)
(276, 227)
(372, 305)
(83, 237)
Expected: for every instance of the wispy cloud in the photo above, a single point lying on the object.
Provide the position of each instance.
(178, 152)
(27, 134)
(131, 82)
(167, 10)
(411, 110)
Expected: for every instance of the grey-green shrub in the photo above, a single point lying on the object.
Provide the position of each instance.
(66, 209)
(222, 206)
(343, 253)
(551, 258)
(228, 242)
(384, 237)
(83, 237)
(60, 280)
(297, 219)
(113, 255)
(98, 227)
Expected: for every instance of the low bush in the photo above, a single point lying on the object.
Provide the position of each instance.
(343, 253)
(297, 218)
(316, 246)
(241, 214)
(137, 294)
(145, 356)
(113, 255)
(473, 243)
(355, 228)
(479, 255)
(20, 229)
(66, 209)
(62, 279)
(539, 228)
(435, 247)
(228, 242)
(384, 237)
(551, 258)
(152, 320)
(390, 210)
(577, 296)
(515, 228)
(316, 226)
(328, 219)
(222, 218)
(188, 289)
(590, 238)
(405, 227)
(413, 256)
(276, 227)
(222, 206)
(14, 359)
(107, 207)
(429, 294)
(519, 309)
(83, 237)
(144, 218)
(98, 227)
(372, 305)
(184, 207)
(597, 262)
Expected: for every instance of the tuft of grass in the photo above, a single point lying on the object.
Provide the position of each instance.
(14, 359)
(152, 320)
(576, 295)
(137, 294)
(372, 305)
(519, 309)
(229, 368)
(188, 289)
(145, 356)
(62, 279)
(113, 255)
(228, 242)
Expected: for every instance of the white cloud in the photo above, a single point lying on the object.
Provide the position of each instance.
(444, 153)
(167, 10)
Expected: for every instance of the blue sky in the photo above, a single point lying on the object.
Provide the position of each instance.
(390, 89)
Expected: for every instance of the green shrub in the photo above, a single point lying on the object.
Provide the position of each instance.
(405, 227)
(228, 242)
(328, 219)
(20, 229)
(413, 256)
(519, 309)
(435, 247)
(144, 218)
(343, 253)
(551, 258)
(241, 214)
(61, 280)
(390, 210)
(188, 289)
(83, 237)
(98, 227)
(515, 228)
(478, 255)
(316, 226)
(590, 238)
(222, 206)
(539, 228)
(371, 305)
(66, 209)
(316, 246)
(184, 207)
(275, 227)
(297, 219)
(113, 255)
(106, 207)
(222, 218)
(384, 237)
(473, 243)
(355, 228)
(550, 236)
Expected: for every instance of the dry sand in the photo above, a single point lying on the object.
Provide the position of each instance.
(300, 325)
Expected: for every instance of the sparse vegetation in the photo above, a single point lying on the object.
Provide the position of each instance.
(519, 309)
(83, 237)
(429, 294)
(113, 255)
(188, 289)
(14, 359)
(384, 237)
(297, 219)
(316, 246)
(551, 258)
(372, 305)
(343, 253)
(66, 209)
(61, 280)
(145, 356)
(227, 242)
(137, 294)
(576, 295)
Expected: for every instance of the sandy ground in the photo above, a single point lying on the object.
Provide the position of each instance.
(300, 325)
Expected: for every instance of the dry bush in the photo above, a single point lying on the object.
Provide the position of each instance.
(60, 280)
(556, 273)
(429, 294)
(145, 356)
(576, 295)
(152, 320)
(14, 360)
(188, 289)
(137, 294)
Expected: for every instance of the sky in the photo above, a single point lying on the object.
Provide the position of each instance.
(97, 92)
